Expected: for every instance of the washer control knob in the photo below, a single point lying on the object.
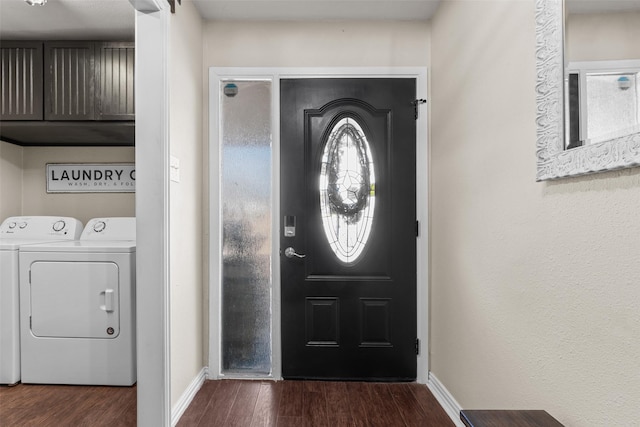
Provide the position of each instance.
(23, 225)
(58, 225)
(99, 226)
(12, 225)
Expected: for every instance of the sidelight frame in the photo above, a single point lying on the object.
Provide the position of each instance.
(275, 74)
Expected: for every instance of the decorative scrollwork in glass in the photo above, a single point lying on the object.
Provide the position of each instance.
(347, 189)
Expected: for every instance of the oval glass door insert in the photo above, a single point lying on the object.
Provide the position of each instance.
(347, 190)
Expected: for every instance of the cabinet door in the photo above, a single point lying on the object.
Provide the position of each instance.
(69, 80)
(21, 76)
(114, 81)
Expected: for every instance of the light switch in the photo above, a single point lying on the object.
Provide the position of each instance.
(174, 169)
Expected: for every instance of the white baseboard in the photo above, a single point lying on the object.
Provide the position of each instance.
(446, 399)
(185, 400)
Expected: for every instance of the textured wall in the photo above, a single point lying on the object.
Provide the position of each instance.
(23, 186)
(603, 36)
(535, 300)
(316, 44)
(84, 206)
(186, 198)
(311, 44)
(10, 180)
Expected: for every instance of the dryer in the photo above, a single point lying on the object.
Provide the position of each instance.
(15, 232)
(77, 302)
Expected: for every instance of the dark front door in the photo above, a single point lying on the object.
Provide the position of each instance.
(348, 241)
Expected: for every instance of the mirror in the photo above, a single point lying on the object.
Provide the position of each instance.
(587, 86)
(602, 75)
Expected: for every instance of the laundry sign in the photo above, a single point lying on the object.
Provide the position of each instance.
(91, 178)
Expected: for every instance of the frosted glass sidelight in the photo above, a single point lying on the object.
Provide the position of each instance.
(347, 190)
(246, 222)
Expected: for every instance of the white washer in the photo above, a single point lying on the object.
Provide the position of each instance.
(77, 307)
(15, 232)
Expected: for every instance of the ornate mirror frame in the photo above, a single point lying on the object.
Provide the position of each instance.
(553, 160)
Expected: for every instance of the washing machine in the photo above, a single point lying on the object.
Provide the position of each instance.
(77, 307)
(15, 232)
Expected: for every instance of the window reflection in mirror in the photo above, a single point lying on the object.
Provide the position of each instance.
(603, 101)
(602, 78)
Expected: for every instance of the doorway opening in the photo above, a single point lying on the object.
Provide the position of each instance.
(222, 249)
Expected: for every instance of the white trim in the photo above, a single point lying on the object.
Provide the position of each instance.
(422, 188)
(422, 216)
(152, 212)
(147, 6)
(445, 399)
(187, 397)
(614, 66)
(215, 234)
(276, 336)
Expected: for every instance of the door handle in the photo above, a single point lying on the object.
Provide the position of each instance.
(108, 300)
(291, 253)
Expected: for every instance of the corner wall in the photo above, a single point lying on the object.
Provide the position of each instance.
(10, 180)
(186, 205)
(23, 186)
(309, 44)
(535, 300)
(84, 206)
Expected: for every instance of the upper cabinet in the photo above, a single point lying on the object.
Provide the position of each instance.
(89, 81)
(114, 81)
(70, 80)
(22, 74)
(67, 93)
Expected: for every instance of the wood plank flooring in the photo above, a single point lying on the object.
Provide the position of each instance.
(53, 405)
(313, 403)
(232, 403)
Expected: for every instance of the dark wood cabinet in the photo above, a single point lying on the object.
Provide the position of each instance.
(67, 93)
(69, 80)
(114, 81)
(89, 81)
(21, 76)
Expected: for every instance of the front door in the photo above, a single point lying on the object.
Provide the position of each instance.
(348, 240)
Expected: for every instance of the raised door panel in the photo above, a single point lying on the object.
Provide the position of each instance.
(75, 299)
(114, 81)
(21, 76)
(69, 80)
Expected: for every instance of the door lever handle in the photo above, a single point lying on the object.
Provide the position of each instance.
(291, 253)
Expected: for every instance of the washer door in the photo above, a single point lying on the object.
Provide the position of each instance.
(75, 299)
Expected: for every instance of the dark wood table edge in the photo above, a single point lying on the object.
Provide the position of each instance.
(508, 418)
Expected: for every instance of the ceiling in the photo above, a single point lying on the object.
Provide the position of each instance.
(114, 19)
(67, 19)
(306, 10)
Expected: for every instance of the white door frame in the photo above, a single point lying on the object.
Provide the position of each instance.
(152, 213)
(216, 74)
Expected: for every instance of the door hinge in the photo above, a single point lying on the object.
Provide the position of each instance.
(418, 346)
(417, 228)
(416, 103)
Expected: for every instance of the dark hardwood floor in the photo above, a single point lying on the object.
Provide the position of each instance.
(313, 403)
(54, 405)
(232, 403)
